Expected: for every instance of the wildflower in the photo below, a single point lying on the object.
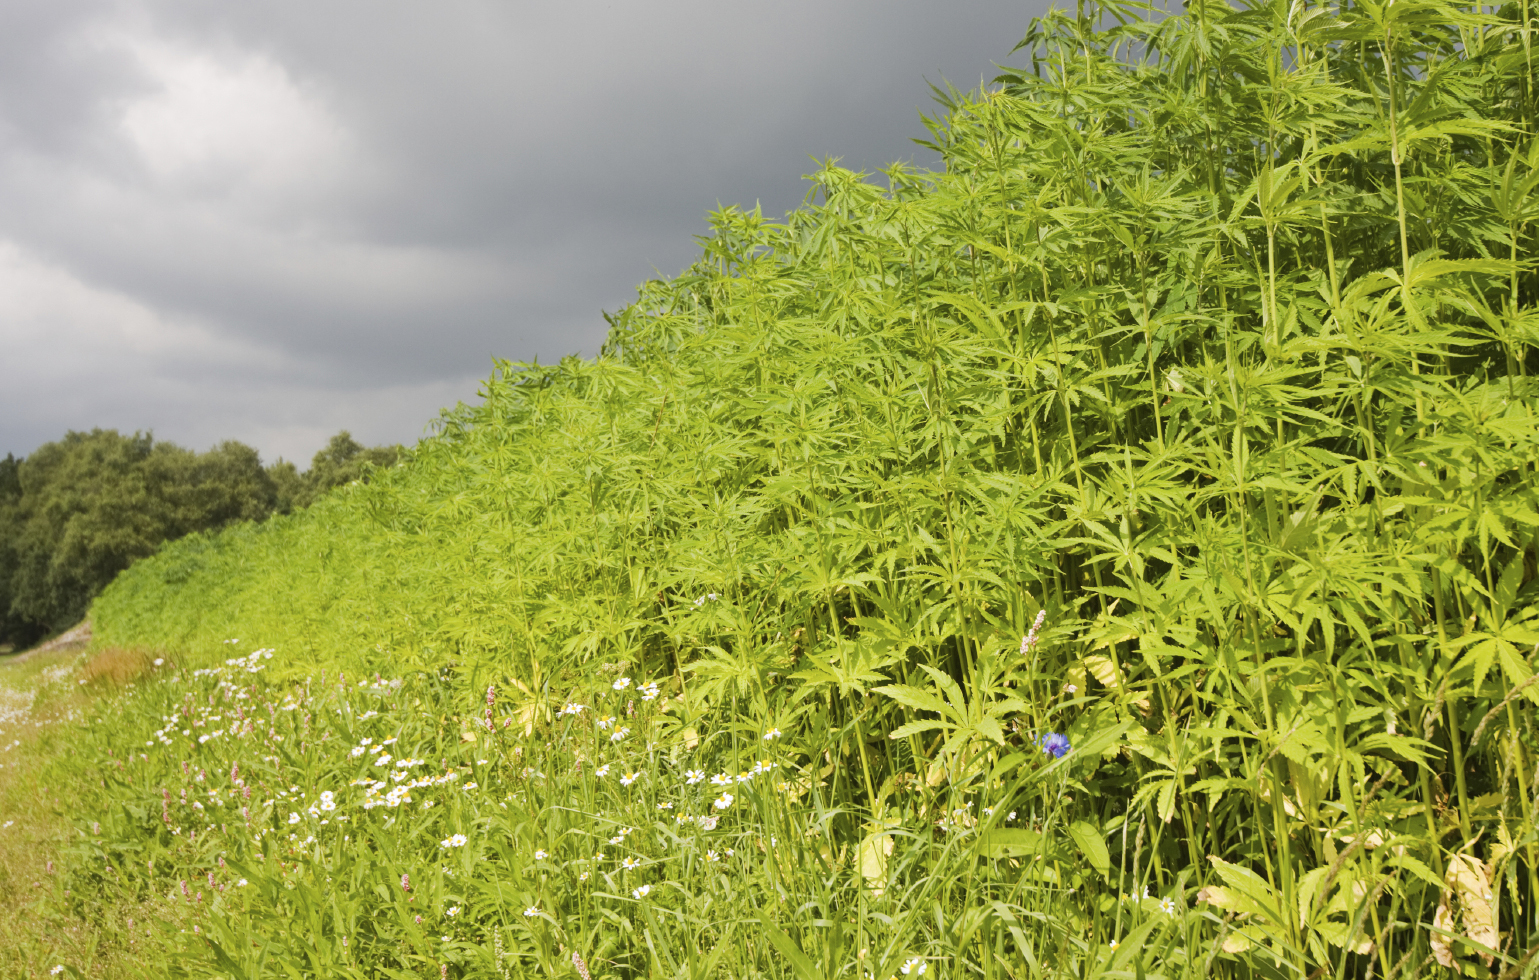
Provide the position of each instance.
(383, 760)
(583, 876)
(1011, 816)
(915, 966)
(723, 801)
(721, 779)
(630, 864)
(712, 856)
(606, 721)
(540, 855)
(707, 822)
(617, 840)
(693, 776)
(56, 970)
(988, 811)
(293, 818)
(629, 778)
(649, 691)
(358, 750)
(1029, 641)
(1114, 944)
(572, 708)
(772, 734)
(457, 840)
(158, 662)
(470, 786)
(1168, 906)
(531, 912)
(622, 683)
(642, 892)
(241, 884)
(602, 771)
(1055, 744)
(452, 911)
(665, 806)
(1070, 689)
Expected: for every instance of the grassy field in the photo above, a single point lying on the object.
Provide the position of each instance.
(1113, 555)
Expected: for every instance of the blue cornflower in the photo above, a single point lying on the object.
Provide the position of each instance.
(1055, 745)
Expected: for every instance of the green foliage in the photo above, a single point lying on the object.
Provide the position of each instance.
(77, 512)
(1213, 340)
(343, 461)
(87, 506)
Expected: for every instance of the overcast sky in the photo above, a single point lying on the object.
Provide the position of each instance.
(270, 221)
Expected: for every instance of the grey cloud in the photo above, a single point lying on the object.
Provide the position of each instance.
(352, 205)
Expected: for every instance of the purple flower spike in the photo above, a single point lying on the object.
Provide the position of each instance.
(1055, 745)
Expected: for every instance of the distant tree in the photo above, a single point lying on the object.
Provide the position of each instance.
(78, 511)
(93, 502)
(342, 461)
(10, 477)
(10, 498)
(288, 484)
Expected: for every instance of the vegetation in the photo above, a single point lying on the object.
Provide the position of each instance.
(78, 511)
(1112, 555)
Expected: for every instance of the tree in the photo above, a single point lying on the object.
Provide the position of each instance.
(342, 461)
(78, 511)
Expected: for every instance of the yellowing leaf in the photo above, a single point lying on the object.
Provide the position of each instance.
(1467, 888)
(874, 851)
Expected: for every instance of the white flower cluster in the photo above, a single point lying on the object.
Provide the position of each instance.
(251, 663)
(381, 686)
(400, 793)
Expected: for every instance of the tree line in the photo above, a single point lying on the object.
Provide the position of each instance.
(77, 512)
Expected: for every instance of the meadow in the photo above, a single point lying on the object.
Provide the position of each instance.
(1110, 555)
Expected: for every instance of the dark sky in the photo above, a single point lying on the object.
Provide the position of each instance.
(270, 221)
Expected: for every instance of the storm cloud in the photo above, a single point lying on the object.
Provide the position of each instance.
(270, 221)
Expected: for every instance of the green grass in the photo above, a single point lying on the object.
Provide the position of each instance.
(1211, 345)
